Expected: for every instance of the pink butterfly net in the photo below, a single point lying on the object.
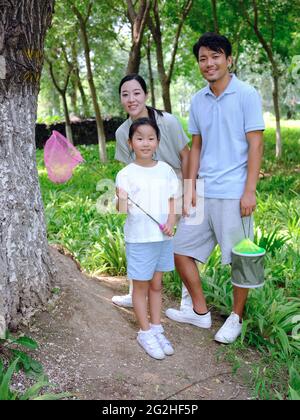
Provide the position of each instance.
(60, 157)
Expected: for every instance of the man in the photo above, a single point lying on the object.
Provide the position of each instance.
(227, 126)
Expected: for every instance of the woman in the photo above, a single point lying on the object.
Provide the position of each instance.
(173, 148)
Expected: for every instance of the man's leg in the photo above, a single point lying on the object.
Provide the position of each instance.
(188, 271)
(240, 296)
(228, 227)
(124, 300)
(197, 315)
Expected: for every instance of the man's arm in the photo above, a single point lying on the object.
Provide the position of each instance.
(193, 168)
(184, 156)
(255, 153)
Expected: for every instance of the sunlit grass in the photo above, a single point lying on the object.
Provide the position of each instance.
(270, 122)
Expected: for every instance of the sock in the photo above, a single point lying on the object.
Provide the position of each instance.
(197, 313)
(144, 332)
(157, 327)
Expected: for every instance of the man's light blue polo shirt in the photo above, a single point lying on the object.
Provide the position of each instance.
(223, 123)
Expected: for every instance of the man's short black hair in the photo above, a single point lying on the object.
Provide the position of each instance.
(214, 42)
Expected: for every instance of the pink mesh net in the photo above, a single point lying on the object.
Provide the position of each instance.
(60, 157)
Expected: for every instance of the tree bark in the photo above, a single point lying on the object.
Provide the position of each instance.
(155, 28)
(78, 83)
(138, 22)
(27, 272)
(151, 78)
(215, 15)
(84, 36)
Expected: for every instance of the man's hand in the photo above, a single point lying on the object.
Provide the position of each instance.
(248, 203)
(189, 199)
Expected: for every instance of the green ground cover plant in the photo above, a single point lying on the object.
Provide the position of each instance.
(273, 312)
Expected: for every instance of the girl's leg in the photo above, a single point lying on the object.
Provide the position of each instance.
(139, 299)
(155, 298)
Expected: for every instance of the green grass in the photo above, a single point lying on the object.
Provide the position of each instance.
(273, 312)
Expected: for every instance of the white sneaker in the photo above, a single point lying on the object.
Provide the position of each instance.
(125, 301)
(230, 331)
(164, 343)
(188, 316)
(150, 344)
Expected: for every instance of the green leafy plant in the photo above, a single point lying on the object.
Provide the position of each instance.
(12, 360)
(32, 393)
(12, 348)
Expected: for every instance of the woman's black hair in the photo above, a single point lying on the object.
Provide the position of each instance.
(141, 81)
(214, 42)
(143, 121)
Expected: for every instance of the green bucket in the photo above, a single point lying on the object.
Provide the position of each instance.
(247, 264)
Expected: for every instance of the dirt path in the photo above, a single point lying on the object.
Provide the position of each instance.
(88, 347)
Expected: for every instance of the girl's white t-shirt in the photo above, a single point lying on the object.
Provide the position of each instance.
(151, 188)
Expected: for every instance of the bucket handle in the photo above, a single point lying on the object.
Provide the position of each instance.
(249, 227)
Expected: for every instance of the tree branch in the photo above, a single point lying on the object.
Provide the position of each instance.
(53, 76)
(131, 11)
(186, 11)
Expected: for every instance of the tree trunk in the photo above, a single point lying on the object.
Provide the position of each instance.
(277, 115)
(86, 46)
(215, 15)
(78, 83)
(155, 28)
(73, 95)
(63, 94)
(69, 134)
(138, 22)
(27, 272)
(275, 72)
(134, 60)
(74, 80)
(151, 78)
(85, 106)
(166, 95)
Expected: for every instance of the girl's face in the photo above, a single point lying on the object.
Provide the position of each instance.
(133, 99)
(144, 142)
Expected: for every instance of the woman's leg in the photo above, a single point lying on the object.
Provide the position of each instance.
(155, 298)
(139, 299)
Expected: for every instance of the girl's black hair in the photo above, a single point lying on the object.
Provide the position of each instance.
(143, 121)
(214, 42)
(141, 81)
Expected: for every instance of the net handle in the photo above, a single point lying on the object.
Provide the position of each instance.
(249, 227)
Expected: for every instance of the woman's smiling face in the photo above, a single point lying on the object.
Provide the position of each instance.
(133, 99)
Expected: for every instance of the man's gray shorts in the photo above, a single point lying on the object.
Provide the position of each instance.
(222, 224)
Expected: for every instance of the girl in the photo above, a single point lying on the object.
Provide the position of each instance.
(149, 246)
(172, 148)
